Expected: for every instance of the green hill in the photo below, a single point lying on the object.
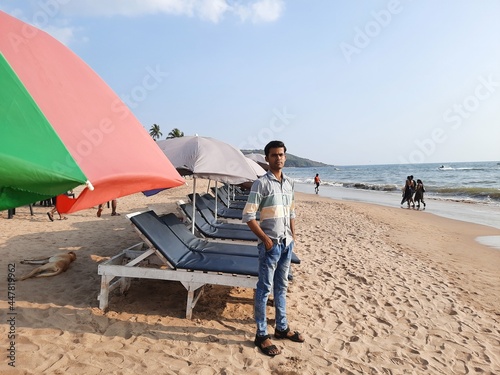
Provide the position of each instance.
(292, 160)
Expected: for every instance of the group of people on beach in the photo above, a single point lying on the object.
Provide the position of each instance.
(413, 192)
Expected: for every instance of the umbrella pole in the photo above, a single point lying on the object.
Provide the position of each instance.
(194, 204)
(215, 201)
(228, 200)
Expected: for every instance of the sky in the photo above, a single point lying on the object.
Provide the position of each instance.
(344, 82)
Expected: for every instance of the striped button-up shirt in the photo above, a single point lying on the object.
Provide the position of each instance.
(276, 203)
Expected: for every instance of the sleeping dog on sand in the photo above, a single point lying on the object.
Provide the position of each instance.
(51, 266)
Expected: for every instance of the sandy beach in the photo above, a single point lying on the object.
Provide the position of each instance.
(380, 290)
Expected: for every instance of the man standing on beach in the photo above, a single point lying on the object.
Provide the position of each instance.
(272, 195)
(317, 181)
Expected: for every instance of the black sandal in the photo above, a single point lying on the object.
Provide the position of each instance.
(284, 335)
(267, 350)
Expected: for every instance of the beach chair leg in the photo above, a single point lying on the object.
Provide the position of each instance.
(104, 294)
(189, 304)
(124, 284)
(195, 290)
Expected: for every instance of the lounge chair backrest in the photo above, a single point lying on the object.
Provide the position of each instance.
(197, 244)
(231, 213)
(182, 232)
(223, 198)
(208, 200)
(203, 208)
(164, 240)
(200, 222)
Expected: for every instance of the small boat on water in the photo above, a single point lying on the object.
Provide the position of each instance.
(444, 168)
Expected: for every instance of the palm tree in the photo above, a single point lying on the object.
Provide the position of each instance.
(175, 133)
(155, 132)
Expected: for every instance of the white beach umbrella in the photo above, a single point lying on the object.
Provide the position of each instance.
(259, 159)
(209, 158)
(259, 171)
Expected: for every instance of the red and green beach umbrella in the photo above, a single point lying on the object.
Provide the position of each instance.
(61, 126)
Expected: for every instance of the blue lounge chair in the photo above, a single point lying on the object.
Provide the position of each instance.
(234, 196)
(222, 195)
(228, 213)
(208, 215)
(218, 231)
(197, 244)
(188, 259)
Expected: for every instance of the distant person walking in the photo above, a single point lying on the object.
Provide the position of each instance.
(407, 192)
(54, 210)
(419, 193)
(51, 213)
(317, 181)
(412, 187)
(113, 209)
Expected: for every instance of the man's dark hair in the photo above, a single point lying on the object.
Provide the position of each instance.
(273, 144)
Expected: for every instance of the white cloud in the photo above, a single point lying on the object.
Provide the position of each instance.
(211, 10)
(53, 16)
(128, 8)
(267, 10)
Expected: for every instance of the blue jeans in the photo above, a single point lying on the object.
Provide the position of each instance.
(274, 266)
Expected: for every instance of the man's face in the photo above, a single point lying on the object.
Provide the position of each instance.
(276, 158)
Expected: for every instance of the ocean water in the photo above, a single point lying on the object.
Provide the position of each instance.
(475, 182)
(468, 192)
